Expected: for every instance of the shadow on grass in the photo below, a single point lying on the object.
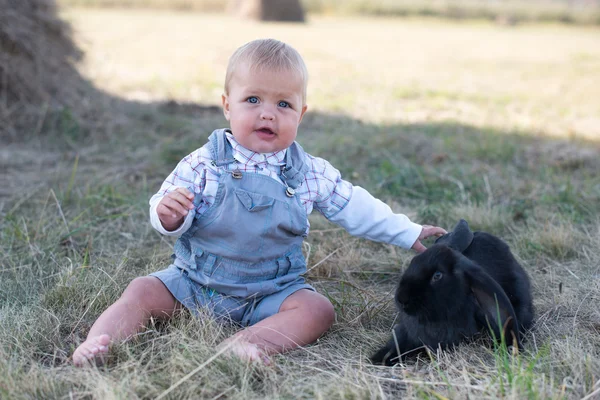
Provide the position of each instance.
(423, 165)
(82, 188)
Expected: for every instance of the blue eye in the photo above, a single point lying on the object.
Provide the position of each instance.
(283, 104)
(252, 99)
(436, 276)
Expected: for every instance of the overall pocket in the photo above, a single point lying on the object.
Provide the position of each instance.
(254, 202)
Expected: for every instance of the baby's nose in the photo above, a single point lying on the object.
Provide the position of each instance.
(267, 114)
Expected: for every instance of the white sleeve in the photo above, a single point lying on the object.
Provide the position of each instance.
(370, 218)
(155, 221)
(189, 174)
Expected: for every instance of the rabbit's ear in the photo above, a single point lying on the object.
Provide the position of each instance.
(460, 238)
(496, 310)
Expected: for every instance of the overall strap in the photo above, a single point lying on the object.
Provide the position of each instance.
(221, 150)
(292, 173)
(295, 166)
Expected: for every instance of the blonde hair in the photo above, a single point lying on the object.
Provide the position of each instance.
(268, 54)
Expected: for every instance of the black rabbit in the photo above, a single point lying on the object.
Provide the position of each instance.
(466, 283)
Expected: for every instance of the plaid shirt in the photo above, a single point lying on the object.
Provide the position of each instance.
(323, 187)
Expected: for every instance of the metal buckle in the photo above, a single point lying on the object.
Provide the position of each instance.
(237, 174)
(289, 192)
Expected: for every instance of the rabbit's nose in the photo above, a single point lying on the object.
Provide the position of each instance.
(402, 298)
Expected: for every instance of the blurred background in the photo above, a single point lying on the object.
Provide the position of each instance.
(502, 63)
(569, 11)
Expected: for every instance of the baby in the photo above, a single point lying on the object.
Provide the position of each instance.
(239, 206)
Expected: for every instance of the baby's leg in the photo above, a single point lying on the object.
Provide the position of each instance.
(145, 297)
(302, 318)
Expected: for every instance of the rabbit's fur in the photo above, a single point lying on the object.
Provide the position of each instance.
(448, 294)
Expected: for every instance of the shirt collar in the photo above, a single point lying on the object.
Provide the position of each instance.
(249, 157)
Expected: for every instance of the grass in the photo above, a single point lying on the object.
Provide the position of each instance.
(441, 120)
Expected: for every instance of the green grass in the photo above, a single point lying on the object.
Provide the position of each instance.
(437, 127)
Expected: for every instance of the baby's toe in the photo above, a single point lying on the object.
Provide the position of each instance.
(90, 351)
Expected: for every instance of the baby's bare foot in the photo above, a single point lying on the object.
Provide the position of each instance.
(91, 351)
(245, 351)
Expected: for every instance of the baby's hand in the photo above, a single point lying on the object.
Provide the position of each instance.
(426, 232)
(173, 208)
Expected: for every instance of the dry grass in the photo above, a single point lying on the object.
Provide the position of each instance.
(37, 67)
(496, 125)
(505, 12)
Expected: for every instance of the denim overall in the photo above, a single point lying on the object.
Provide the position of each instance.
(243, 257)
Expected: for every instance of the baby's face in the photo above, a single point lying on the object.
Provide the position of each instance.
(264, 108)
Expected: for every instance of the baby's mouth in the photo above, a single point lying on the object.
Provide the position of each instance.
(266, 131)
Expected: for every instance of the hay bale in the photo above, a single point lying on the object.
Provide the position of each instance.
(268, 10)
(37, 57)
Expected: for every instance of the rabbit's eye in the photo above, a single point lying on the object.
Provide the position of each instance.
(437, 276)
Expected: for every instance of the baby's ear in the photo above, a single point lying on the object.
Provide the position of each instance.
(304, 108)
(225, 101)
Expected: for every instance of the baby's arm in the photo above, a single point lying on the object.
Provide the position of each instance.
(361, 214)
(172, 208)
(427, 231)
(370, 218)
(178, 228)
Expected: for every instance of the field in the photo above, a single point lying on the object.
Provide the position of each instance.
(496, 124)
(586, 12)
